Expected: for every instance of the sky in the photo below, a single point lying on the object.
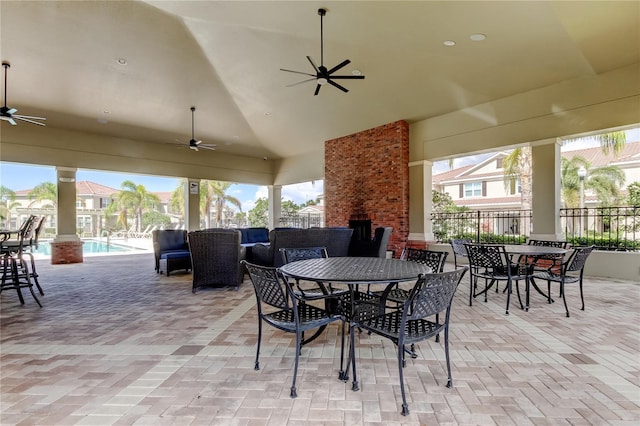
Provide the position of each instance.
(20, 177)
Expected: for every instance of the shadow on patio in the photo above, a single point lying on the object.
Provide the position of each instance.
(117, 344)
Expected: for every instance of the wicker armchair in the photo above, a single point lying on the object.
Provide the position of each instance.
(215, 258)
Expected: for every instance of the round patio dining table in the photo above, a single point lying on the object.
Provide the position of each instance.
(354, 271)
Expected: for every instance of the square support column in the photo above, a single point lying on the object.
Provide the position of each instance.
(66, 246)
(275, 205)
(192, 204)
(421, 201)
(546, 158)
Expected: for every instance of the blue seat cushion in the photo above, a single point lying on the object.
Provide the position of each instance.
(175, 254)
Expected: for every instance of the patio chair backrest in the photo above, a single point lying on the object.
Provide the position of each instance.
(433, 259)
(549, 243)
(487, 256)
(295, 254)
(578, 258)
(270, 289)
(457, 245)
(432, 294)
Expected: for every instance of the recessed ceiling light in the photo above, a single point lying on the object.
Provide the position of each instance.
(477, 37)
(449, 43)
(106, 112)
(267, 113)
(356, 72)
(122, 61)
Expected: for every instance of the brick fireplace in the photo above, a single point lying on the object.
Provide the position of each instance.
(367, 175)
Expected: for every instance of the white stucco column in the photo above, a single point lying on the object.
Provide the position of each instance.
(421, 201)
(66, 247)
(545, 197)
(192, 204)
(275, 205)
(66, 218)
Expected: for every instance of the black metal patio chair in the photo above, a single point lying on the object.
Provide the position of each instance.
(279, 306)
(571, 271)
(432, 294)
(492, 264)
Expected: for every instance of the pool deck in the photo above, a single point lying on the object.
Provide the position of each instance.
(117, 344)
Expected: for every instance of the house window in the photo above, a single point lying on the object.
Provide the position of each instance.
(515, 187)
(499, 163)
(104, 202)
(473, 189)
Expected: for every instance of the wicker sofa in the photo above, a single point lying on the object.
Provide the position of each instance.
(336, 240)
(171, 250)
(215, 256)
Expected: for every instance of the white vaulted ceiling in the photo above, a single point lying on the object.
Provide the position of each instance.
(225, 58)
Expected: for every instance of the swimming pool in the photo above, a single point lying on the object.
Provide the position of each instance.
(91, 247)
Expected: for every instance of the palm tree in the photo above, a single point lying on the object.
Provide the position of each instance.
(604, 181)
(45, 191)
(7, 203)
(517, 165)
(176, 202)
(608, 141)
(135, 198)
(216, 196)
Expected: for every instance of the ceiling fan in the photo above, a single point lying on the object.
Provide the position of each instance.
(9, 114)
(323, 75)
(197, 144)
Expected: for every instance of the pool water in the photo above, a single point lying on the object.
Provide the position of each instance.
(90, 247)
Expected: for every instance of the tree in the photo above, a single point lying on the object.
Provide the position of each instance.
(608, 141)
(604, 181)
(517, 165)
(289, 208)
(216, 192)
(137, 199)
(45, 191)
(176, 202)
(634, 194)
(7, 202)
(259, 214)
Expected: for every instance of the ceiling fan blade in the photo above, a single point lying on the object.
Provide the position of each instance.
(7, 118)
(344, 89)
(340, 65)
(212, 148)
(313, 64)
(317, 90)
(28, 116)
(12, 111)
(300, 82)
(347, 77)
(27, 120)
(298, 72)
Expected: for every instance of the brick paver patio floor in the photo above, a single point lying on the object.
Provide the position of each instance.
(115, 343)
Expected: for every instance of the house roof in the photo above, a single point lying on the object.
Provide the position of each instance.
(595, 156)
(89, 188)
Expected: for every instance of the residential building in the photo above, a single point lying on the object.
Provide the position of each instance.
(482, 186)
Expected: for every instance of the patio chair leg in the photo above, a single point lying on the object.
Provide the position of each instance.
(564, 298)
(352, 355)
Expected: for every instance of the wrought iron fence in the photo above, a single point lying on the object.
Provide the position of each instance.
(489, 226)
(608, 228)
(302, 221)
